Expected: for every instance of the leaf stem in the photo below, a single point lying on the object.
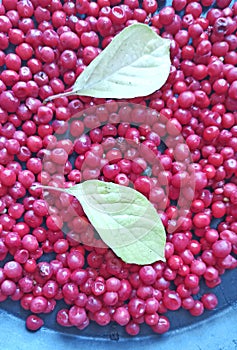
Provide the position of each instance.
(52, 188)
(63, 94)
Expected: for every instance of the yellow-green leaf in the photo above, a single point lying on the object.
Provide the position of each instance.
(136, 63)
(124, 218)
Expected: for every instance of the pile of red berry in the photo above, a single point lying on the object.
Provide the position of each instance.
(44, 46)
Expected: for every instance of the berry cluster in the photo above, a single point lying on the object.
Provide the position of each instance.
(188, 135)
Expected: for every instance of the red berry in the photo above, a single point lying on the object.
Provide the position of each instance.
(33, 322)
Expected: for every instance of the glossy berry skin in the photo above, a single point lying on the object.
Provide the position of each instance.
(121, 316)
(118, 15)
(172, 300)
(8, 177)
(142, 184)
(33, 322)
(110, 171)
(76, 316)
(166, 15)
(147, 274)
(38, 304)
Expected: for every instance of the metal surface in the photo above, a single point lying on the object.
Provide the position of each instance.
(214, 330)
(218, 332)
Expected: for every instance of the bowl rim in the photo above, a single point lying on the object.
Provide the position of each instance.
(219, 331)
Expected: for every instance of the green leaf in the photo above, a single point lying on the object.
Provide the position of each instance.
(125, 220)
(136, 63)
